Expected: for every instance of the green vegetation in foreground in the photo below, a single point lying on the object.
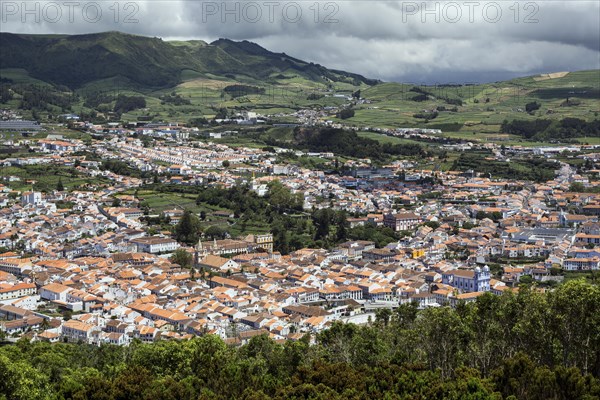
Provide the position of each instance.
(528, 346)
(593, 277)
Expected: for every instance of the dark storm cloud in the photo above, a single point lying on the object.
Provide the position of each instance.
(409, 41)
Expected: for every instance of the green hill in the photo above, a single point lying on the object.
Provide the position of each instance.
(76, 60)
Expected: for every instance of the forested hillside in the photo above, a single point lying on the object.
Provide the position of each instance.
(348, 143)
(542, 129)
(76, 60)
(525, 346)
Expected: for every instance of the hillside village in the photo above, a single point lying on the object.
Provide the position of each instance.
(84, 265)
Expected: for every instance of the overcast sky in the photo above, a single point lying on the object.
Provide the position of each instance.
(461, 41)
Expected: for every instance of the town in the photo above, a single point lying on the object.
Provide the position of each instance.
(118, 232)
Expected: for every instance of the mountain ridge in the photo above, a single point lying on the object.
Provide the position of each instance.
(75, 60)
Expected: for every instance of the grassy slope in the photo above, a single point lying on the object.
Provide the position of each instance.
(391, 104)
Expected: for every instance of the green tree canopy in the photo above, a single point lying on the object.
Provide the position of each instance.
(187, 229)
(182, 257)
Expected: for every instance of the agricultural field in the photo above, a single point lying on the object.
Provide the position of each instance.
(484, 107)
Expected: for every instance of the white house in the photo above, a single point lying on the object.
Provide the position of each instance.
(19, 290)
(75, 330)
(55, 291)
(31, 198)
(155, 244)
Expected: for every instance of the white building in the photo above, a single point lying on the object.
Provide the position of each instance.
(55, 291)
(155, 244)
(76, 331)
(31, 198)
(17, 291)
(401, 221)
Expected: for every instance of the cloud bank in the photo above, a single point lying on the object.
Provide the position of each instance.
(428, 42)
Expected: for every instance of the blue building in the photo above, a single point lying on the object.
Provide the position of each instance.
(477, 280)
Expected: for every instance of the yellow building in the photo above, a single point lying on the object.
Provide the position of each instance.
(417, 253)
